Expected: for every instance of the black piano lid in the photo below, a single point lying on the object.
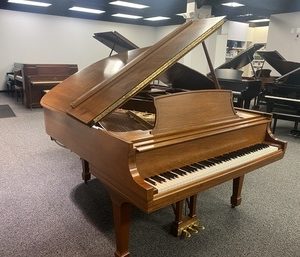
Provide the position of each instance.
(242, 59)
(115, 41)
(278, 62)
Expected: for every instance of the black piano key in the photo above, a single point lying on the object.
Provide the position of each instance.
(179, 172)
(188, 168)
(151, 181)
(198, 166)
(158, 179)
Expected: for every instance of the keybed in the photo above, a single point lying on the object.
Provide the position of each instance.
(194, 172)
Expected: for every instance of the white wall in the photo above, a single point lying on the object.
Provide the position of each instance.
(280, 35)
(236, 30)
(196, 58)
(36, 38)
(258, 34)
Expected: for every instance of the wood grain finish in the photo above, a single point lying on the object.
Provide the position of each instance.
(189, 127)
(39, 77)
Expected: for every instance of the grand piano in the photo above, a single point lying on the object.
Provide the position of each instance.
(230, 77)
(192, 140)
(282, 93)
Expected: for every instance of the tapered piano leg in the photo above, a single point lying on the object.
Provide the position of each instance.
(121, 212)
(86, 174)
(237, 190)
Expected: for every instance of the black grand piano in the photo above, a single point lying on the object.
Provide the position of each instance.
(230, 77)
(282, 95)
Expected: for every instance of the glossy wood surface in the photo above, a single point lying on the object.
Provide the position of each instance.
(189, 127)
(39, 77)
(138, 71)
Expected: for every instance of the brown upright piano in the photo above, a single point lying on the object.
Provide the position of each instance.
(191, 141)
(36, 78)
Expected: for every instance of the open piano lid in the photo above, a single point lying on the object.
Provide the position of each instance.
(99, 89)
(176, 76)
(242, 59)
(278, 62)
(115, 41)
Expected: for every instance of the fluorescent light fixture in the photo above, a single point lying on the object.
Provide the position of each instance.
(157, 18)
(181, 14)
(34, 3)
(245, 15)
(130, 5)
(88, 10)
(233, 4)
(127, 16)
(260, 20)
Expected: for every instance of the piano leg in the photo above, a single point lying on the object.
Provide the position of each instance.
(247, 103)
(86, 174)
(121, 212)
(237, 189)
(184, 225)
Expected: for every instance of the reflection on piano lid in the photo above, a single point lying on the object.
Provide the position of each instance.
(278, 62)
(242, 59)
(190, 129)
(175, 77)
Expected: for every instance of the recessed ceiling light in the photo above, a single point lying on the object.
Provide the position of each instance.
(157, 18)
(88, 10)
(260, 20)
(233, 4)
(245, 15)
(130, 5)
(127, 16)
(34, 3)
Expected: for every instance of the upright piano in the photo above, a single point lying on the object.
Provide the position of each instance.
(282, 93)
(32, 79)
(154, 157)
(230, 77)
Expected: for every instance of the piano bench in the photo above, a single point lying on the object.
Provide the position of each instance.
(285, 116)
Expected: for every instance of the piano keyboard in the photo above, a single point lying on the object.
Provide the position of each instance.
(189, 174)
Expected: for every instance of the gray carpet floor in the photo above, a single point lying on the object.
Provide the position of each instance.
(46, 210)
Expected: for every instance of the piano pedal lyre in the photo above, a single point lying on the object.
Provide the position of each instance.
(185, 225)
(189, 227)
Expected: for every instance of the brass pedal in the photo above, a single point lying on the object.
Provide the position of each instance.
(185, 234)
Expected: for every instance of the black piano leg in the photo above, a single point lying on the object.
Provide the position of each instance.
(237, 190)
(247, 104)
(184, 225)
(86, 174)
(121, 212)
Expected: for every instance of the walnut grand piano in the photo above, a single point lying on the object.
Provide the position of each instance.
(156, 159)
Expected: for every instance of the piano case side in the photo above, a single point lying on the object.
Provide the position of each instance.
(117, 162)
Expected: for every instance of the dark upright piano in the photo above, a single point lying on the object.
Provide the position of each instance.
(282, 94)
(230, 77)
(192, 141)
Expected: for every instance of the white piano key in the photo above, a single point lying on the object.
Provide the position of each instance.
(189, 178)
